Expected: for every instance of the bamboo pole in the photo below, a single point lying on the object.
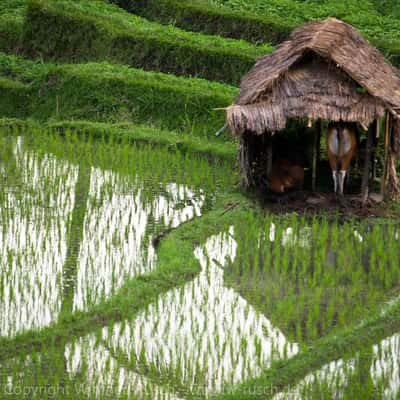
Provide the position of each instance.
(376, 138)
(316, 151)
(367, 163)
(392, 180)
(385, 161)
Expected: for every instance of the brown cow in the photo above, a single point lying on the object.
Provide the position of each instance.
(285, 175)
(341, 143)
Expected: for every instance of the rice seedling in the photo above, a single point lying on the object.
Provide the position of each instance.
(188, 337)
(328, 382)
(372, 372)
(313, 277)
(73, 231)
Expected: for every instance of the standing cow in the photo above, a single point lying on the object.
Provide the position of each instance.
(341, 142)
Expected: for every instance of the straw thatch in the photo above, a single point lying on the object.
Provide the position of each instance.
(325, 70)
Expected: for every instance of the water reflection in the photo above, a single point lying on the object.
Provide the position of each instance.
(202, 336)
(385, 367)
(290, 237)
(328, 382)
(33, 241)
(333, 379)
(116, 242)
(104, 374)
(37, 214)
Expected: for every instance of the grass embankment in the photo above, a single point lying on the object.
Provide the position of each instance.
(211, 19)
(111, 93)
(84, 30)
(260, 21)
(382, 31)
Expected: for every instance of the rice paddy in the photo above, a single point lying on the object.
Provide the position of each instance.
(370, 373)
(132, 266)
(312, 277)
(68, 226)
(80, 217)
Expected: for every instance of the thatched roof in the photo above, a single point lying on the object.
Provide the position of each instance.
(325, 70)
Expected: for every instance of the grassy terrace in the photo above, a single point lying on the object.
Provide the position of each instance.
(211, 19)
(111, 93)
(383, 31)
(259, 21)
(93, 30)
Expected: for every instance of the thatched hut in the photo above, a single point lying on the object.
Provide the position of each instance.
(325, 71)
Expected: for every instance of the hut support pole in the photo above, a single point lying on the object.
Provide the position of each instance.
(316, 150)
(367, 163)
(376, 138)
(385, 161)
(392, 180)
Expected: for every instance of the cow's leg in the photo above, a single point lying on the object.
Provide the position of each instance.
(341, 178)
(335, 182)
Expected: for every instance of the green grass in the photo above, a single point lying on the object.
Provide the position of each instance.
(84, 30)
(13, 93)
(111, 93)
(118, 107)
(211, 19)
(382, 31)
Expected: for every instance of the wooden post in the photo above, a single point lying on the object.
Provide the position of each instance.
(385, 161)
(392, 183)
(367, 163)
(376, 138)
(316, 151)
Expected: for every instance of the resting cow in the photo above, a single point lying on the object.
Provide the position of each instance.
(285, 175)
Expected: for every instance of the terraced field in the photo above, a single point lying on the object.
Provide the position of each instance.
(131, 264)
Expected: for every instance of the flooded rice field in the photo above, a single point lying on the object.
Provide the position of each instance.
(370, 374)
(72, 233)
(79, 218)
(312, 277)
